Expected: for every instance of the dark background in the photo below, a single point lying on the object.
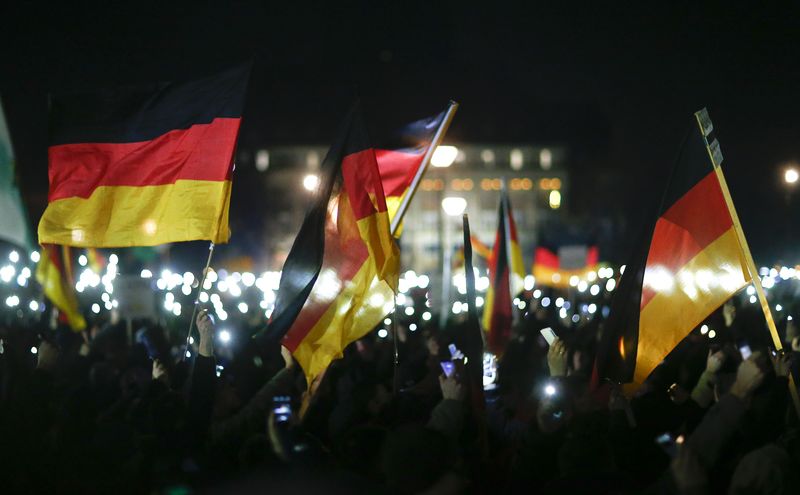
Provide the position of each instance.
(617, 84)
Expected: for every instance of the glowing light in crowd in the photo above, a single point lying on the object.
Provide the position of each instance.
(753, 299)
(34, 350)
(778, 307)
(444, 156)
(35, 256)
(409, 310)
(82, 260)
(34, 305)
(383, 333)
(545, 302)
(413, 327)
(13, 256)
(704, 329)
(12, 301)
(7, 273)
(573, 281)
(550, 390)
(559, 302)
(426, 316)
(594, 289)
(95, 308)
(592, 308)
(224, 336)
(611, 284)
(387, 321)
(712, 334)
(146, 273)
(537, 294)
(582, 286)
(310, 182)
(479, 301)
(243, 307)
(529, 282)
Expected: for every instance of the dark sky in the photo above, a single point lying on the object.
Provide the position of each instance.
(617, 84)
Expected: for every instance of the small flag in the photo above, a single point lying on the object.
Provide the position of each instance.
(478, 248)
(142, 166)
(13, 221)
(554, 267)
(506, 277)
(341, 274)
(55, 274)
(473, 348)
(689, 263)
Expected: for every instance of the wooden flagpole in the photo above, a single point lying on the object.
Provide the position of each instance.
(714, 152)
(412, 189)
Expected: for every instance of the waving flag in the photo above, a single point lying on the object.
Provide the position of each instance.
(341, 274)
(506, 277)
(554, 267)
(141, 166)
(55, 273)
(13, 222)
(690, 263)
(403, 160)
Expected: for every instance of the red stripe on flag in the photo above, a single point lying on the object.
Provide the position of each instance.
(545, 258)
(397, 169)
(362, 182)
(201, 152)
(686, 228)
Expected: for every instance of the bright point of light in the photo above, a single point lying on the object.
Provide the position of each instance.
(409, 310)
(594, 290)
(592, 308)
(559, 302)
(591, 276)
(146, 273)
(576, 318)
(479, 301)
(582, 286)
(537, 294)
(426, 316)
(13, 256)
(444, 156)
(791, 175)
(243, 307)
(712, 334)
(35, 256)
(555, 199)
(188, 278)
(573, 280)
(188, 354)
(753, 299)
(413, 327)
(310, 182)
(562, 313)
(704, 329)
(545, 302)
(423, 281)
(454, 205)
(186, 290)
(222, 315)
(778, 307)
(550, 390)
(95, 308)
(34, 306)
(611, 284)
(529, 282)
(7, 273)
(161, 284)
(751, 290)
(387, 321)
(82, 260)
(382, 333)
(34, 350)
(12, 301)
(113, 259)
(224, 336)
(248, 279)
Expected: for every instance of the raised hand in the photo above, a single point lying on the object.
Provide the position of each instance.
(748, 377)
(715, 361)
(205, 327)
(451, 388)
(46, 356)
(557, 358)
(782, 363)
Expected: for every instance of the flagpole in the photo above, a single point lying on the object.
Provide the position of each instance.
(412, 189)
(197, 299)
(706, 127)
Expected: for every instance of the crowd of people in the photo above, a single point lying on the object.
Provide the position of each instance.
(117, 409)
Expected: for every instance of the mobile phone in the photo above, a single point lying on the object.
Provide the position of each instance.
(282, 408)
(448, 367)
(668, 444)
(548, 334)
(745, 352)
(454, 352)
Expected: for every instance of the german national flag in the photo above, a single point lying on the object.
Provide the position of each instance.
(553, 267)
(55, 274)
(478, 248)
(690, 263)
(341, 274)
(400, 160)
(506, 276)
(141, 166)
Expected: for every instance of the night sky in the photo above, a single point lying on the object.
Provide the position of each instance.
(617, 85)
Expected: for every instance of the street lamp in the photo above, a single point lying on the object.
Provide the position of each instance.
(791, 176)
(453, 206)
(310, 182)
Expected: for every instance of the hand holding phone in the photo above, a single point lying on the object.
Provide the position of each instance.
(282, 408)
(448, 367)
(549, 335)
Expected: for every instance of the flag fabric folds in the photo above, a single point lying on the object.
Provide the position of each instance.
(142, 166)
(55, 274)
(400, 159)
(477, 247)
(473, 348)
(688, 264)
(341, 274)
(506, 277)
(14, 221)
(554, 266)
